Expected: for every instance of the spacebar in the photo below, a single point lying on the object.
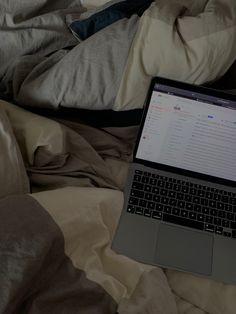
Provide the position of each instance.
(183, 222)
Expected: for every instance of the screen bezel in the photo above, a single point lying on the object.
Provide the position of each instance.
(191, 88)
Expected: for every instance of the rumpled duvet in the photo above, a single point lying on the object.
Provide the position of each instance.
(55, 239)
(61, 181)
(42, 64)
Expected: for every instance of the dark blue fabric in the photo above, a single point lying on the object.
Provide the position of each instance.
(115, 12)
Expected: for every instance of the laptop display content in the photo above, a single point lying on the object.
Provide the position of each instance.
(180, 194)
(190, 131)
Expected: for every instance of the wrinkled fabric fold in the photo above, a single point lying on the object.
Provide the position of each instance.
(13, 177)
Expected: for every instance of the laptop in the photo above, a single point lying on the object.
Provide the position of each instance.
(180, 197)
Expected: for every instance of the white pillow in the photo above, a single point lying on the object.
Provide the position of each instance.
(192, 41)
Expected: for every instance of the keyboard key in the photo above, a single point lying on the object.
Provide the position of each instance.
(200, 217)
(176, 211)
(138, 172)
(180, 196)
(181, 204)
(184, 189)
(156, 215)
(131, 209)
(201, 193)
(133, 201)
(197, 208)
(193, 215)
(177, 187)
(147, 213)
(172, 194)
(232, 200)
(188, 198)
(183, 221)
(153, 181)
(147, 188)
(217, 221)
(156, 198)
(163, 192)
(159, 207)
(221, 214)
(148, 196)
(212, 203)
(164, 200)
(189, 206)
(167, 209)
(204, 201)
(155, 190)
(227, 234)
(230, 216)
(184, 213)
(228, 208)
(145, 179)
(217, 197)
(225, 199)
(209, 195)
(137, 178)
(213, 212)
(160, 183)
(151, 205)
(218, 230)
(233, 225)
(205, 210)
(139, 211)
(196, 200)
(137, 186)
(233, 233)
(220, 205)
(172, 202)
(142, 203)
(209, 228)
(169, 185)
(209, 219)
(137, 193)
(225, 223)
(192, 191)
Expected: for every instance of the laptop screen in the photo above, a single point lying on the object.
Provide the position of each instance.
(190, 131)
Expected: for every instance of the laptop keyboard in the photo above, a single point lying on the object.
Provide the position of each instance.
(183, 203)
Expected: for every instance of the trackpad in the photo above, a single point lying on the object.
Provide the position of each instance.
(184, 249)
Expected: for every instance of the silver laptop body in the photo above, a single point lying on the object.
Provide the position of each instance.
(180, 197)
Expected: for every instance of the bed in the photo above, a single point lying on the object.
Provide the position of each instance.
(73, 80)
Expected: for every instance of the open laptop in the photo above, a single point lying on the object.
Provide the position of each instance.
(180, 198)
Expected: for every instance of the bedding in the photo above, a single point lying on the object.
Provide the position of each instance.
(44, 65)
(62, 180)
(55, 243)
